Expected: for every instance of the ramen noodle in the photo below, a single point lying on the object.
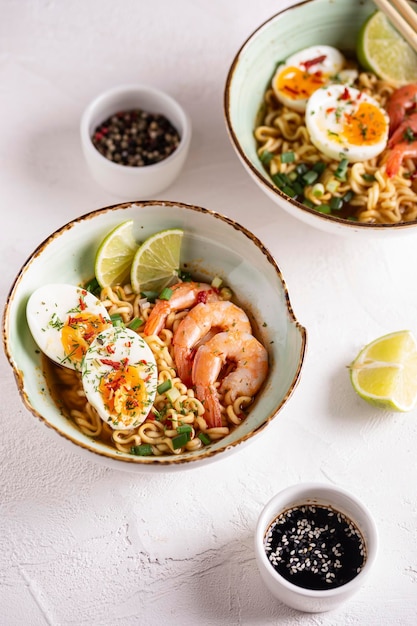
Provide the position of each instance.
(367, 194)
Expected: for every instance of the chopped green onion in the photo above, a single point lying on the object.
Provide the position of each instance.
(204, 438)
(135, 323)
(216, 282)
(289, 191)
(226, 293)
(301, 168)
(308, 203)
(310, 177)
(180, 441)
(116, 319)
(333, 185)
(266, 157)
(292, 176)
(319, 167)
(93, 286)
(165, 386)
(184, 428)
(369, 178)
(287, 157)
(298, 188)
(151, 296)
(173, 394)
(336, 203)
(165, 294)
(348, 196)
(280, 179)
(145, 449)
(341, 170)
(318, 190)
(323, 208)
(184, 276)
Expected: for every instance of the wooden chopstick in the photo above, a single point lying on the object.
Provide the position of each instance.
(405, 20)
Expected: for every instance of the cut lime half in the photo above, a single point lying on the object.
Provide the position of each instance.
(115, 255)
(157, 261)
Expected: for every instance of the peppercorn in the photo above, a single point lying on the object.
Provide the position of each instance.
(136, 138)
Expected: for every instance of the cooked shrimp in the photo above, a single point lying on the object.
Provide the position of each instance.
(406, 131)
(251, 367)
(198, 324)
(184, 295)
(398, 153)
(400, 101)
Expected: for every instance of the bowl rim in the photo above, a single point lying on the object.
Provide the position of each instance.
(295, 495)
(164, 461)
(135, 89)
(262, 180)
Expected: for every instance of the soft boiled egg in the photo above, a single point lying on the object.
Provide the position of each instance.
(345, 123)
(63, 320)
(305, 72)
(120, 377)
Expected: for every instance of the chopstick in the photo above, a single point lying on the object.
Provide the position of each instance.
(405, 21)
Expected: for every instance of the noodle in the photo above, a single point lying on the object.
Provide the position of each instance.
(160, 427)
(376, 198)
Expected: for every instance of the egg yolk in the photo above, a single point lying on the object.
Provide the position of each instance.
(79, 331)
(298, 84)
(124, 392)
(366, 126)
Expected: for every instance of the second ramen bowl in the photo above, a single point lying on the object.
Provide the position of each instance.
(213, 245)
(314, 22)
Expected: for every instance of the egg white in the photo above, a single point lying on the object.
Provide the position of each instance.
(48, 310)
(111, 351)
(324, 71)
(327, 116)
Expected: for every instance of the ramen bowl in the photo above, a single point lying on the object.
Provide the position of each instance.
(213, 246)
(314, 22)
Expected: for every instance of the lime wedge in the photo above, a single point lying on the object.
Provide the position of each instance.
(382, 50)
(115, 255)
(157, 262)
(385, 372)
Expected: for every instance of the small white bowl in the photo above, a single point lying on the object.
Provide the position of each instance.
(126, 181)
(300, 598)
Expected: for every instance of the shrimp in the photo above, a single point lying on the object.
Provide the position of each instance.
(198, 325)
(398, 153)
(405, 132)
(184, 295)
(399, 103)
(251, 361)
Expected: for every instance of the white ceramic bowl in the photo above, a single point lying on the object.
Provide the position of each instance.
(309, 600)
(213, 245)
(124, 181)
(331, 22)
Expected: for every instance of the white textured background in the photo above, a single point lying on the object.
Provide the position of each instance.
(81, 544)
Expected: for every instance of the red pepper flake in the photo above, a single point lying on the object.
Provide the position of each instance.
(117, 365)
(110, 348)
(312, 62)
(345, 95)
(295, 92)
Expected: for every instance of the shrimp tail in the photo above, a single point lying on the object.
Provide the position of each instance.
(210, 399)
(393, 163)
(156, 320)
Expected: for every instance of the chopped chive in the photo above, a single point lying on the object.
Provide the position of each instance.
(165, 386)
(116, 319)
(289, 191)
(348, 196)
(93, 286)
(184, 428)
(145, 449)
(204, 438)
(135, 323)
(287, 157)
(323, 208)
(369, 178)
(165, 294)
(310, 177)
(319, 167)
(336, 203)
(341, 170)
(180, 440)
(266, 157)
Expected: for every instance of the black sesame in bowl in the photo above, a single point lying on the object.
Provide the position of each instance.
(136, 138)
(315, 547)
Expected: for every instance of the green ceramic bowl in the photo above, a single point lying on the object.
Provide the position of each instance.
(213, 245)
(331, 22)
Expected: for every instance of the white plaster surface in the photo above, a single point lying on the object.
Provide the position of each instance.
(81, 544)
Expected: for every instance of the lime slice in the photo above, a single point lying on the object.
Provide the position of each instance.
(385, 372)
(157, 261)
(115, 255)
(382, 50)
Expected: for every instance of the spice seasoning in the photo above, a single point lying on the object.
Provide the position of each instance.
(136, 138)
(315, 547)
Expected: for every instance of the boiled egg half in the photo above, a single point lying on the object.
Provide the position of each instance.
(119, 377)
(344, 122)
(63, 320)
(305, 72)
